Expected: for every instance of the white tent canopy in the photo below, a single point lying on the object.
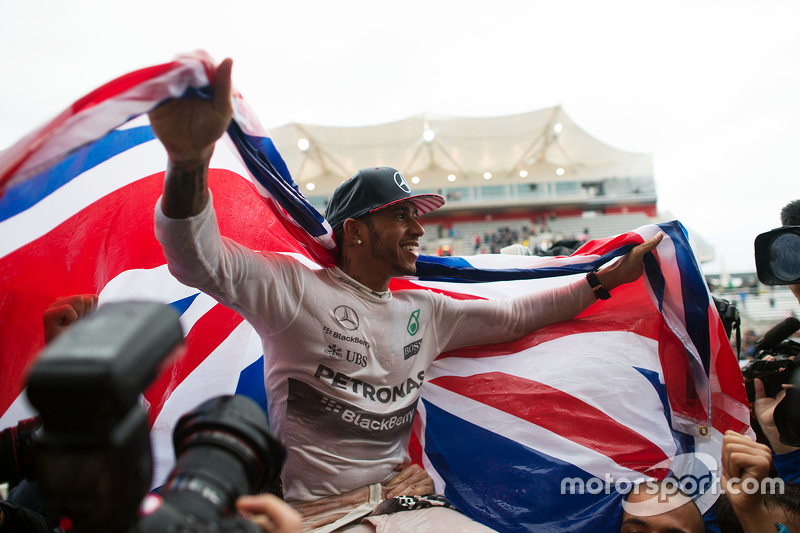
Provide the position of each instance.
(546, 144)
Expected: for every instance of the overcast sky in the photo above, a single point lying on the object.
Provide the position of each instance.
(711, 89)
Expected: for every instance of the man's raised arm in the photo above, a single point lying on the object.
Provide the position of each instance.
(188, 129)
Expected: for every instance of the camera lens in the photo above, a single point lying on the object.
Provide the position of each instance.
(16, 451)
(785, 257)
(224, 449)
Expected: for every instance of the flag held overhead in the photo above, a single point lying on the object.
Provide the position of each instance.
(633, 381)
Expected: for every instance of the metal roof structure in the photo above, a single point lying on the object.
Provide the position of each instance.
(538, 146)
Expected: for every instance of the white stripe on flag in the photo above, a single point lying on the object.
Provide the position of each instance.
(575, 365)
(68, 200)
(530, 435)
(217, 375)
(150, 284)
(20, 409)
(501, 290)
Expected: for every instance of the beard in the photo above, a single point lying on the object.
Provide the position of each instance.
(384, 253)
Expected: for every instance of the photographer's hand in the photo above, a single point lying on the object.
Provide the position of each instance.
(764, 409)
(270, 512)
(66, 310)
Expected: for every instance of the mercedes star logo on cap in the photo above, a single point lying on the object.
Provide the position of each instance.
(401, 182)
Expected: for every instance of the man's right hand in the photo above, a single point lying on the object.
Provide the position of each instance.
(188, 128)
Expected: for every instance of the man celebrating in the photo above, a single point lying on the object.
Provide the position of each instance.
(344, 357)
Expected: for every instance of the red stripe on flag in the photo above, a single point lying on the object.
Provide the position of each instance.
(630, 310)
(723, 421)
(206, 335)
(23, 150)
(681, 388)
(120, 85)
(724, 362)
(414, 444)
(79, 256)
(400, 284)
(94, 246)
(561, 413)
(609, 244)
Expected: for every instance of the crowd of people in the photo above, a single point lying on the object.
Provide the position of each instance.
(339, 476)
(528, 237)
(492, 243)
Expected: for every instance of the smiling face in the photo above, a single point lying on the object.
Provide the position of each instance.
(393, 239)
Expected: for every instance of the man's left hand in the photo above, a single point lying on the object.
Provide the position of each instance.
(629, 268)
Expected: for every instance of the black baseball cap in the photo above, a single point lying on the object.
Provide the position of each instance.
(371, 189)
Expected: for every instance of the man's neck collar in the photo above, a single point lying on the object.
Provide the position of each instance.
(343, 277)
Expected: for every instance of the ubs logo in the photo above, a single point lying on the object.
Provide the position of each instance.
(400, 181)
(346, 317)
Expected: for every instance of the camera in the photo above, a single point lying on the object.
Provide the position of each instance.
(16, 451)
(92, 453)
(731, 320)
(777, 255)
(774, 374)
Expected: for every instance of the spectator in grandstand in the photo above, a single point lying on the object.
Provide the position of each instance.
(790, 216)
(502, 238)
(749, 341)
(660, 511)
(756, 501)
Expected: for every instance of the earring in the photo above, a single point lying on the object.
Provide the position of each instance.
(359, 241)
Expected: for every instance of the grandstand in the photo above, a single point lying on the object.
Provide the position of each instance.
(536, 176)
(760, 306)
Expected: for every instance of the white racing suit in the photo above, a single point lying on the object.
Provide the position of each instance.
(343, 364)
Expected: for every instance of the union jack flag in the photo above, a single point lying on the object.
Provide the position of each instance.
(628, 385)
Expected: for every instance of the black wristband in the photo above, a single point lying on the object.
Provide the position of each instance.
(597, 287)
